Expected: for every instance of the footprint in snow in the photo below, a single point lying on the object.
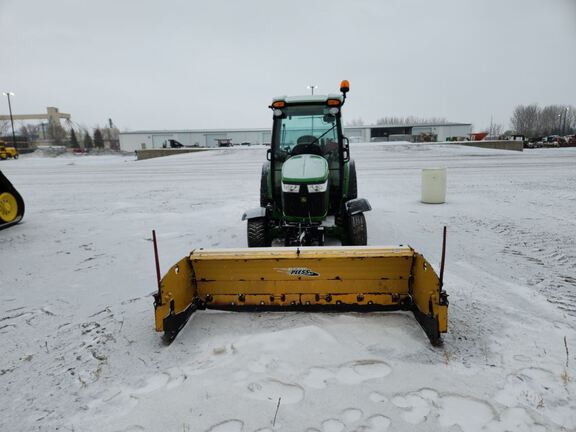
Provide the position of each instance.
(272, 390)
(170, 379)
(376, 423)
(415, 406)
(351, 415)
(543, 391)
(352, 419)
(466, 413)
(377, 397)
(332, 425)
(348, 373)
(228, 426)
(132, 428)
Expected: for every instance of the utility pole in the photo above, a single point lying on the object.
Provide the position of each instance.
(8, 94)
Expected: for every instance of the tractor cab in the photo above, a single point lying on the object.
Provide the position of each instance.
(309, 127)
(308, 183)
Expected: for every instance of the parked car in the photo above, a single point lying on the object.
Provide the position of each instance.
(171, 143)
(551, 141)
(224, 142)
(534, 143)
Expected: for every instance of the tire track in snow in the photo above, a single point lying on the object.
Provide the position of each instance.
(546, 259)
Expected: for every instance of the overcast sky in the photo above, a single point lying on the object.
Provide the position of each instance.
(217, 64)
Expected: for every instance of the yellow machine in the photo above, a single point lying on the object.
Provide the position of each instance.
(11, 203)
(7, 152)
(308, 278)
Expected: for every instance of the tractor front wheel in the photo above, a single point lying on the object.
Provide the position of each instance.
(258, 233)
(357, 232)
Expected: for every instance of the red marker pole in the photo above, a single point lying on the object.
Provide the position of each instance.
(443, 258)
(156, 258)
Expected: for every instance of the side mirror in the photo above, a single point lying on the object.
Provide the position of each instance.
(346, 149)
(269, 154)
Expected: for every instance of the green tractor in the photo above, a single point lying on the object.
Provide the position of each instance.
(308, 188)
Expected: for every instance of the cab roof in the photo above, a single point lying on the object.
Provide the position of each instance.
(308, 99)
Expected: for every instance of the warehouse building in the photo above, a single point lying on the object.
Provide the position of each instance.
(412, 133)
(142, 140)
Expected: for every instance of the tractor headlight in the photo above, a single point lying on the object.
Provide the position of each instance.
(319, 187)
(290, 188)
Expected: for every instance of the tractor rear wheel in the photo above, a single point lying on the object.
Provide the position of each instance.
(357, 232)
(258, 233)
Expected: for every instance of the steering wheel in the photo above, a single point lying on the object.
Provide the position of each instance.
(307, 144)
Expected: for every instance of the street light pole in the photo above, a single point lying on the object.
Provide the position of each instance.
(8, 94)
(312, 87)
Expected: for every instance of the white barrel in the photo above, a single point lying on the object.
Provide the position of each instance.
(434, 185)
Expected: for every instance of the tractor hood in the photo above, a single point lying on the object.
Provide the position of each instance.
(305, 169)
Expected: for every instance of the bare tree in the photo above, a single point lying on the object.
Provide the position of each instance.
(570, 121)
(525, 119)
(410, 120)
(550, 120)
(31, 131)
(356, 122)
(4, 127)
(495, 130)
(57, 133)
(534, 122)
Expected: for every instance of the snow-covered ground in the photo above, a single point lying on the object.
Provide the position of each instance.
(78, 351)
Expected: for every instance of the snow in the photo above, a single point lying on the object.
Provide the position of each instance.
(78, 349)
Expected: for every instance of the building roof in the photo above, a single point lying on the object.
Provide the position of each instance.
(176, 131)
(408, 125)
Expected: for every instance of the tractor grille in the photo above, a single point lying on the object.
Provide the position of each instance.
(304, 204)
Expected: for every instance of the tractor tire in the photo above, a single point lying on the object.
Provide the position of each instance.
(264, 185)
(357, 232)
(258, 233)
(352, 181)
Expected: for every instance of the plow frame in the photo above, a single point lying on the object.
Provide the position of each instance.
(281, 279)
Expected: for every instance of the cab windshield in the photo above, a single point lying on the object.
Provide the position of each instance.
(310, 129)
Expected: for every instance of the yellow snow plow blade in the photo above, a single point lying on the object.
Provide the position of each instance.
(352, 278)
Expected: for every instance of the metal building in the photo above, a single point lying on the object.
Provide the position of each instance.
(142, 140)
(412, 133)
